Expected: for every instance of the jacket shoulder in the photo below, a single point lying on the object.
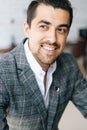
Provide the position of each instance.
(67, 62)
(6, 62)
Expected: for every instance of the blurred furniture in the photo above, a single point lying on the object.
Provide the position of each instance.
(2, 51)
(81, 45)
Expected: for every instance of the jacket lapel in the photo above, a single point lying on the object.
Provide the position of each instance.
(27, 77)
(53, 104)
(55, 92)
(31, 85)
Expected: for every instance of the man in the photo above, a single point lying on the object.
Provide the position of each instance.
(37, 80)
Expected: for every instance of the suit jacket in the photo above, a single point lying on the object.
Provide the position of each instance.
(21, 103)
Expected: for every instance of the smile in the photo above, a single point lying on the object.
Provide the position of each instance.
(49, 48)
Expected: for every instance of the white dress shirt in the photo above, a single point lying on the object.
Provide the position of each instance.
(40, 74)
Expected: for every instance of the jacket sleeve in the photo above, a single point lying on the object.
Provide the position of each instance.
(3, 106)
(79, 97)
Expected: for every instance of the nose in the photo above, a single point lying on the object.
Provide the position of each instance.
(52, 36)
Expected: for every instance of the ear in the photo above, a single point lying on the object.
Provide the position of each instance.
(26, 29)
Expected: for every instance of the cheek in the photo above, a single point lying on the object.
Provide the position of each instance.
(62, 42)
(33, 45)
(35, 41)
(35, 34)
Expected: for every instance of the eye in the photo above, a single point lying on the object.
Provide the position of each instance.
(62, 30)
(43, 27)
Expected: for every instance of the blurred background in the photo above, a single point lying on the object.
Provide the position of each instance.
(12, 16)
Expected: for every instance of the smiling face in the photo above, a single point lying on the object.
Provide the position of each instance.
(47, 34)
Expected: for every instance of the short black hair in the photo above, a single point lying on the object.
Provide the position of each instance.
(63, 4)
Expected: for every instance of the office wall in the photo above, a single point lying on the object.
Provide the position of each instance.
(12, 16)
(80, 18)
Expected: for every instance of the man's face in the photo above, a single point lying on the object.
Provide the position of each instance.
(47, 33)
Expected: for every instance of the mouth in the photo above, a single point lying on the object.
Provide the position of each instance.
(50, 47)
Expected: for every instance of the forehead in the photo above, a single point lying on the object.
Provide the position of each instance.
(54, 15)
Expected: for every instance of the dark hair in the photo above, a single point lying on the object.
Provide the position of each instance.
(63, 4)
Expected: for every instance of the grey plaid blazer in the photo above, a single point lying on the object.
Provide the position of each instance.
(21, 103)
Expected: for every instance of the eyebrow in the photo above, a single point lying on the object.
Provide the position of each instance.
(48, 23)
(64, 25)
(44, 21)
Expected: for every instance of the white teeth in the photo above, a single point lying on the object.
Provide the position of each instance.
(49, 49)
